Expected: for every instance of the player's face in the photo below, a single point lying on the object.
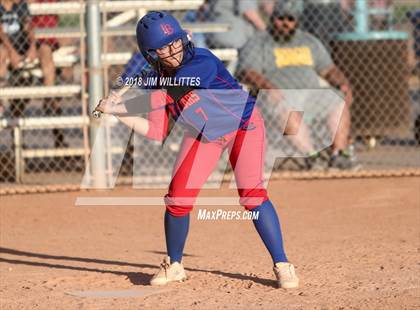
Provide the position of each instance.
(171, 55)
(285, 25)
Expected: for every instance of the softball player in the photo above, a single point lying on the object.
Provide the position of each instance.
(217, 115)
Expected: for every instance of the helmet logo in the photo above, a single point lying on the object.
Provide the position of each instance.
(167, 29)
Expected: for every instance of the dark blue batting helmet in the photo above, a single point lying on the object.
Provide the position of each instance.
(157, 29)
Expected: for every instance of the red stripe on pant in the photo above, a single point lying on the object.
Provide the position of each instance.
(197, 159)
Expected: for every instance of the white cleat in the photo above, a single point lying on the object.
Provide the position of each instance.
(286, 276)
(169, 273)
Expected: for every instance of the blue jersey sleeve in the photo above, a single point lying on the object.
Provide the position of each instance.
(203, 69)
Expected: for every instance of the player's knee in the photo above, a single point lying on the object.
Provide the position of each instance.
(179, 206)
(252, 198)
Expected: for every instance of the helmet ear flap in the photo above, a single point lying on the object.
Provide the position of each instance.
(188, 46)
(186, 39)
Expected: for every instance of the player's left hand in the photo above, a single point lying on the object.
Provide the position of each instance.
(109, 104)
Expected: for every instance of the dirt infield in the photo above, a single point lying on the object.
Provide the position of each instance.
(355, 244)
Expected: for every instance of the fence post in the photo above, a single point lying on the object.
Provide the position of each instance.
(18, 152)
(98, 168)
(362, 16)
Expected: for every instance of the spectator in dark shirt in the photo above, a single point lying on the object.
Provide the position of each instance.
(18, 48)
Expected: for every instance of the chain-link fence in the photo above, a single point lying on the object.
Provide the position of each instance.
(293, 45)
(43, 111)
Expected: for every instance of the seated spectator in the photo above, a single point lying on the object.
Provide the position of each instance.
(13, 46)
(19, 46)
(287, 58)
(242, 16)
(46, 47)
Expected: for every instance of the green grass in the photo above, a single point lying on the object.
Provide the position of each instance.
(400, 12)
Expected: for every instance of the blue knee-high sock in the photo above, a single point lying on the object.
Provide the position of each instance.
(268, 227)
(176, 231)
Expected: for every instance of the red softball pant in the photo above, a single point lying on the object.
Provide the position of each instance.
(197, 159)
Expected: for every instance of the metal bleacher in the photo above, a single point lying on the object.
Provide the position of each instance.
(69, 56)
